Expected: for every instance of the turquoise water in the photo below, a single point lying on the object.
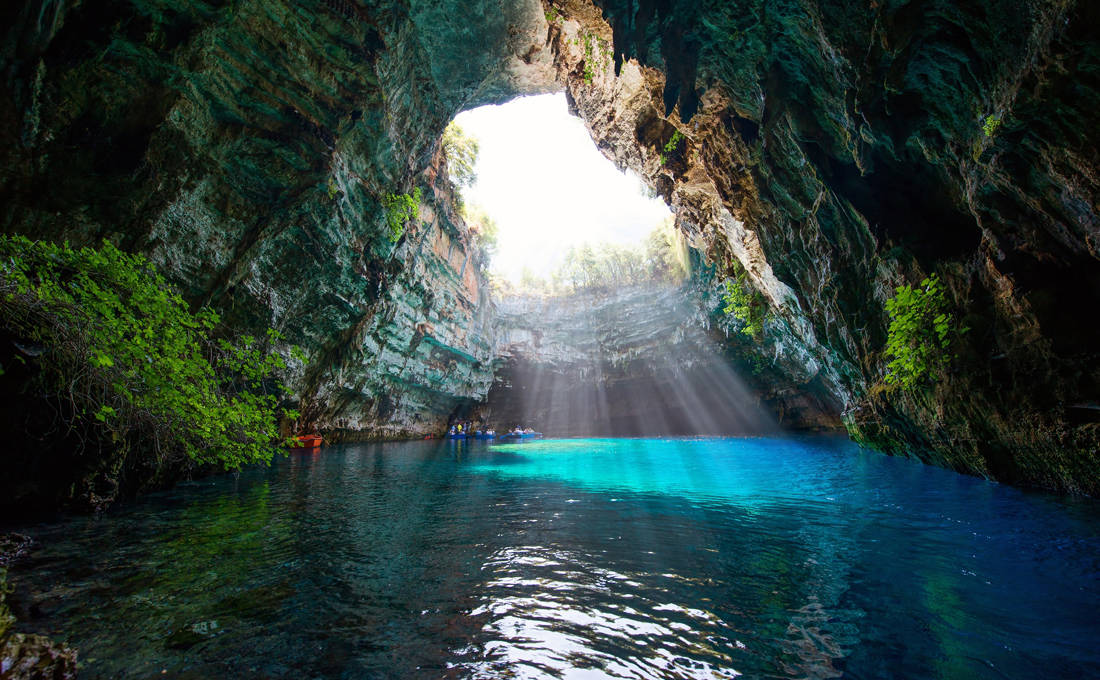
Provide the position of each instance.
(799, 558)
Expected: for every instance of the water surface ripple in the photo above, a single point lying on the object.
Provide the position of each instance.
(711, 558)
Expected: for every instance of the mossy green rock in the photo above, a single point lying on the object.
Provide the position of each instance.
(247, 147)
(837, 151)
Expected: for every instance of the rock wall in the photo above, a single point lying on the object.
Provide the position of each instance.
(835, 151)
(831, 150)
(649, 360)
(246, 146)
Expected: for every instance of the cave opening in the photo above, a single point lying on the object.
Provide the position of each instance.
(603, 325)
(528, 171)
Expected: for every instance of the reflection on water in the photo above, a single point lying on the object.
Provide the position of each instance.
(711, 558)
(553, 612)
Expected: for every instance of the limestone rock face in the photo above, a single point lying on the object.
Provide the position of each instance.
(836, 151)
(247, 147)
(643, 360)
(832, 150)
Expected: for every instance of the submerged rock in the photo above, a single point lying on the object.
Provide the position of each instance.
(14, 546)
(24, 656)
(35, 657)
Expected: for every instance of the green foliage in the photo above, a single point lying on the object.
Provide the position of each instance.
(746, 304)
(332, 190)
(131, 363)
(528, 281)
(922, 330)
(991, 125)
(662, 257)
(484, 230)
(552, 15)
(400, 208)
(597, 55)
(976, 150)
(671, 146)
(666, 253)
(461, 150)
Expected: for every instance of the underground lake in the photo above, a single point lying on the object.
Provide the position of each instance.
(801, 557)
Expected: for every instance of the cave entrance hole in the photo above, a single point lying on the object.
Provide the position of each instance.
(602, 329)
(549, 193)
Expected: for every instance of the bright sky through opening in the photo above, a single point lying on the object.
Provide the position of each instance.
(541, 178)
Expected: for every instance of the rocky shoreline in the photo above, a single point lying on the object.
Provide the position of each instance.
(26, 656)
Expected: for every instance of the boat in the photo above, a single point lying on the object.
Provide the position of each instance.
(520, 435)
(485, 435)
(306, 441)
(458, 435)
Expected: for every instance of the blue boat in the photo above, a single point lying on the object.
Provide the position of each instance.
(483, 435)
(458, 435)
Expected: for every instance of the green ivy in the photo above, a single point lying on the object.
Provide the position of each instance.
(333, 189)
(671, 145)
(745, 304)
(991, 125)
(922, 331)
(597, 55)
(400, 208)
(131, 360)
(461, 150)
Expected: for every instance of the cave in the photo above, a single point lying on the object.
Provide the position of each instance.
(830, 168)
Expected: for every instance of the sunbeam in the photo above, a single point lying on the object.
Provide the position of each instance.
(625, 363)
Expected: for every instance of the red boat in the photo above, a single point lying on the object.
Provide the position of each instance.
(306, 441)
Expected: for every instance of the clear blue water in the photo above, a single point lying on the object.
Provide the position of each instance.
(799, 558)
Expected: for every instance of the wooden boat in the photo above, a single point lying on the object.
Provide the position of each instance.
(306, 441)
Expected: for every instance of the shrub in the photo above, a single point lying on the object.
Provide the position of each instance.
(671, 146)
(597, 55)
(666, 256)
(484, 230)
(605, 266)
(127, 361)
(400, 208)
(991, 125)
(747, 306)
(461, 150)
(922, 330)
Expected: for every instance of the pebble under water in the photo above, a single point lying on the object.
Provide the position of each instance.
(635, 558)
